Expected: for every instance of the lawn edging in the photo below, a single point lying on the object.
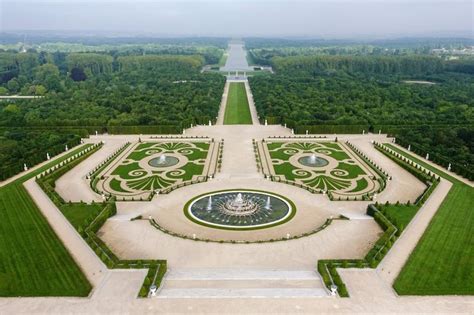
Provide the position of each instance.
(392, 229)
(89, 228)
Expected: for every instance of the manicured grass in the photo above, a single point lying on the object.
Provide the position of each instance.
(442, 262)
(237, 111)
(33, 261)
(361, 185)
(77, 213)
(342, 175)
(400, 214)
(132, 178)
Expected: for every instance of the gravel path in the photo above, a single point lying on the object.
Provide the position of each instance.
(371, 292)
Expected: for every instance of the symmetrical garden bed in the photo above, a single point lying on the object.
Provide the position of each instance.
(322, 166)
(156, 167)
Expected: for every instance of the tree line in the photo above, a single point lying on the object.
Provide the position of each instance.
(348, 94)
(93, 91)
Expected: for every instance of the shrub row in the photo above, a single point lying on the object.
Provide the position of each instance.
(327, 268)
(257, 156)
(47, 179)
(93, 175)
(439, 159)
(416, 170)
(219, 156)
(91, 226)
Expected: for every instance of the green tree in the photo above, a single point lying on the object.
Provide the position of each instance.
(13, 85)
(48, 76)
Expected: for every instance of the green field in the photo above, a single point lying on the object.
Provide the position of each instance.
(237, 111)
(33, 261)
(442, 262)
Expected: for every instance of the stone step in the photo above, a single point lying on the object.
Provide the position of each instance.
(241, 274)
(242, 284)
(235, 283)
(241, 293)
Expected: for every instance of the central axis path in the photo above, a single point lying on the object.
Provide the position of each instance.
(237, 105)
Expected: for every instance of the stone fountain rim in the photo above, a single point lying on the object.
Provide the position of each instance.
(291, 213)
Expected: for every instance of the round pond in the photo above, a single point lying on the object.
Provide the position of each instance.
(240, 209)
(313, 161)
(163, 161)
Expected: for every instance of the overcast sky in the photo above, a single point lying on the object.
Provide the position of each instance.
(317, 18)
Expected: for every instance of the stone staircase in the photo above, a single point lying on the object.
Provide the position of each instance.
(234, 283)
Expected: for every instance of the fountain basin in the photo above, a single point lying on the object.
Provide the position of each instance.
(313, 161)
(163, 161)
(239, 209)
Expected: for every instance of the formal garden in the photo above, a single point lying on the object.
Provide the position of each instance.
(328, 167)
(314, 101)
(147, 168)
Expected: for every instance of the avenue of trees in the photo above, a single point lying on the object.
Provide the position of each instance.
(19, 146)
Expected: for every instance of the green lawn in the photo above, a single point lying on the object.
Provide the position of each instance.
(237, 111)
(400, 214)
(443, 261)
(77, 213)
(33, 261)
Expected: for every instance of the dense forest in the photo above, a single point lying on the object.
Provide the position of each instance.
(158, 87)
(97, 91)
(376, 92)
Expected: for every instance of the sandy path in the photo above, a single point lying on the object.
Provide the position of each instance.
(73, 186)
(397, 256)
(138, 239)
(84, 256)
(403, 186)
(221, 114)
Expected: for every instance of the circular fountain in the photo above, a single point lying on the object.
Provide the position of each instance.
(313, 161)
(240, 209)
(163, 161)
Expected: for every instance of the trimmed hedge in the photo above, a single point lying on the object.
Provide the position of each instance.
(441, 160)
(327, 268)
(91, 226)
(94, 179)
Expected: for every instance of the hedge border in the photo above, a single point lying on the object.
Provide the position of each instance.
(327, 267)
(88, 230)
